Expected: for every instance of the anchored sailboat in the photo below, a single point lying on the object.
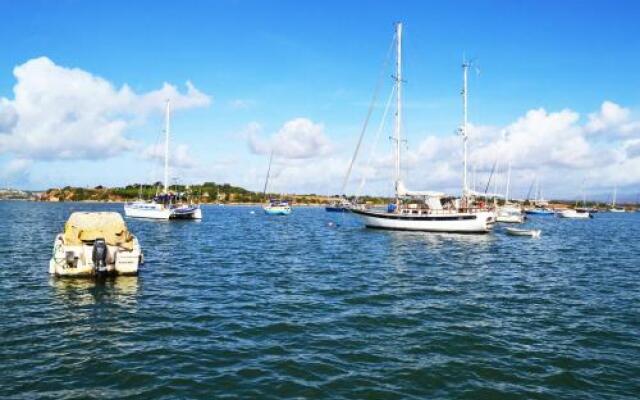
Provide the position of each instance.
(613, 202)
(274, 206)
(166, 205)
(425, 210)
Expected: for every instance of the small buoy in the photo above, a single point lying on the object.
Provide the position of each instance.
(252, 212)
(330, 224)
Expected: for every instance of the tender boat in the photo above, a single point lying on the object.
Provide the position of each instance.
(167, 205)
(426, 210)
(95, 244)
(535, 233)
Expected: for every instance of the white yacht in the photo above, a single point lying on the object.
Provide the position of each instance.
(426, 210)
(95, 244)
(166, 205)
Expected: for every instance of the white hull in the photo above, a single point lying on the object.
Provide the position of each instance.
(119, 260)
(617, 210)
(573, 214)
(160, 211)
(480, 222)
(510, 219)
(277, 210)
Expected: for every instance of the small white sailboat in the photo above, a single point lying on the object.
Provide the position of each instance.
(426, 210)
(613, 207)
(509, 212)
(167, 205)
(274, 206)
(534, 233)
(577, 212)
(95, 244)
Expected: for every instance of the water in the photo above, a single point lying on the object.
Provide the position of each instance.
(312, 305)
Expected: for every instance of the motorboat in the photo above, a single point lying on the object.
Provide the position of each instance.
(95, 244)
(534, 233)
(426, 210)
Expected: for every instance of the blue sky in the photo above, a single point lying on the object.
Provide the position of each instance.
(271, 62)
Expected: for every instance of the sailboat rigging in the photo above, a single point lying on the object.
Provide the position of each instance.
(166, 205)
(424, 210)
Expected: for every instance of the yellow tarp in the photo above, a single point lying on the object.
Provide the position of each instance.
(89, 226)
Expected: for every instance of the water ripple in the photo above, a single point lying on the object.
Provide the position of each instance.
(241, 305)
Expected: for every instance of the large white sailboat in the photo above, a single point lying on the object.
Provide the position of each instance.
(166, 205)
(426, 210)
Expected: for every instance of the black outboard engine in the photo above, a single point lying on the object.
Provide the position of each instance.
(99, 256)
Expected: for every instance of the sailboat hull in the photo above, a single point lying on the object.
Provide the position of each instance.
(160, 211)
(481, 222)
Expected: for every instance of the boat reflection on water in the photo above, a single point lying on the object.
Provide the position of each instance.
(122, 290)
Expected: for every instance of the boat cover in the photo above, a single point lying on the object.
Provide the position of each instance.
(89, 226)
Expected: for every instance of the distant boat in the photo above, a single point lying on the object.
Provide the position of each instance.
(277, 207)
(340, 206)
(166, 205)
(274, 206)
(426, 210)
(540, 207)
(577, 213)
(613, 207)
(509, 212)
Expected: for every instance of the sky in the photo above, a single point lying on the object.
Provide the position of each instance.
(83, 87)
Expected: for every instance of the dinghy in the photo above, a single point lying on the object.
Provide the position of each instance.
(535, 233)
(95, 244)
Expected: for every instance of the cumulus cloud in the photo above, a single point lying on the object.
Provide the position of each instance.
(612, 119)
(299, 138)
(68, 113)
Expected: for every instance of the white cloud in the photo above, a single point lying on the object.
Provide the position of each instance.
(299, 138)
(69, 113)
(16, 171)
(612, 119)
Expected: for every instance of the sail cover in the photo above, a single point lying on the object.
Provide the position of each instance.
(89, 226)
(401, 190)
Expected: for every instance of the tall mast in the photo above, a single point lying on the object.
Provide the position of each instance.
(615, 192)
(266, 181)
(465, 137)
(398, 102)
(506, 195)
(166, 146)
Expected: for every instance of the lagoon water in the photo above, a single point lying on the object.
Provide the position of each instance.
(313, 305)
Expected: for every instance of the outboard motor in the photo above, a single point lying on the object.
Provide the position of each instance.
(99, 256)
